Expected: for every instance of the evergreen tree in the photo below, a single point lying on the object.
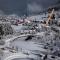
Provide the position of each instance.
(1, 31)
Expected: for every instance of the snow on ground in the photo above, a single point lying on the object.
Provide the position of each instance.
(28, 48)
(27, 45)
(17, 28)
(38, 17)
(23, 46)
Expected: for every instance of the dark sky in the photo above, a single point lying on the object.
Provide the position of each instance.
(13, 6)
(20, 6)
(44, 3)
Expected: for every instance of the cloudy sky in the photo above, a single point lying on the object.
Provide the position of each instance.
(20, 6)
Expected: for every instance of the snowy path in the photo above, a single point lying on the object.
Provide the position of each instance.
(7, 42)
(22, 45)
(16, 55)
(27, 47)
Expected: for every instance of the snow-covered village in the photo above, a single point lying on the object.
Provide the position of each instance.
(35, 36)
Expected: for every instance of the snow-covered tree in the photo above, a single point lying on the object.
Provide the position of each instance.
(1, 31)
